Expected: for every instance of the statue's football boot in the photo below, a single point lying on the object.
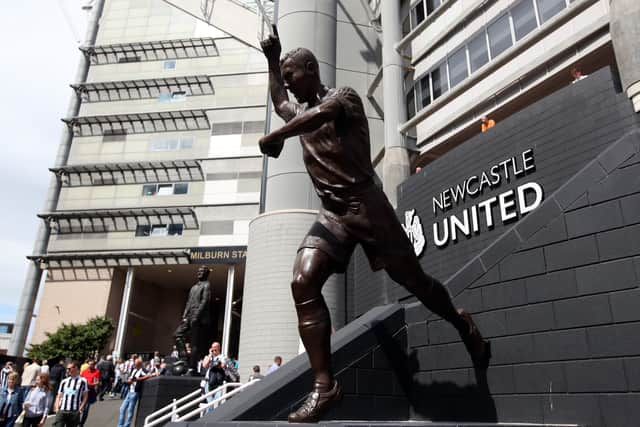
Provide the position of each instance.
(316, 404)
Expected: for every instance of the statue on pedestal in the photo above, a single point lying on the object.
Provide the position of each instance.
(192, 330)
(334, 135)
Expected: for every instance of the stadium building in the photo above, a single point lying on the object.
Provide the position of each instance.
(532, 223)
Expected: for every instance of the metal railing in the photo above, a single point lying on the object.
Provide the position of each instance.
(171, 412)
(216, 402)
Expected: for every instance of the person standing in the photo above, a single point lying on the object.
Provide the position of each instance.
(71, 399)
(56, 376)
(256, 375)
(119, 377)
(107, 374)
(486, 123)
(277, 361)
(214, 363)
(92, 375)
(10, 401)
(128, 407)
(29, 377)
(36, 405)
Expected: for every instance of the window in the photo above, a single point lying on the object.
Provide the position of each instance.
(164, 97)
(549, 8)
(411, 104)
(128, 58)
(172, 143)
(149, 189)
(499, 35)
(143, 230)
(425, 91)
(169, 64)
(164, 189)
(458, 67)
(478, 55)
(186, 142)
(439, 81)
(159, 230)
(418, 14)
(432, 5)
(181, 188)
(114, 135)
(406, 26)
(172, 96)
(180, 95)
(175, 229)
(524, 18)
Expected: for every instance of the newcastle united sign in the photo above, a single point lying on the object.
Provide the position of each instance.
(506, 207)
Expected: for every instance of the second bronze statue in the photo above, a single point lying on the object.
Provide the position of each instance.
(195, 321)
(334, 135)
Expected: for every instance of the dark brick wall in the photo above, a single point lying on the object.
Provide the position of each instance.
(567, 129)
(557, 293)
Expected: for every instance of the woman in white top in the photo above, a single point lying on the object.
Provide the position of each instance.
(36, 404)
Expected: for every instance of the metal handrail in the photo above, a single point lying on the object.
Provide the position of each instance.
(172, 410)
(171, 406)
(216, 402)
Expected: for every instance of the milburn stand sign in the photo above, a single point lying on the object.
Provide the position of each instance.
(218, 255)
(512, 204)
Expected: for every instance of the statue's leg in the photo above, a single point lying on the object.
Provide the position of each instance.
(311, 269)
(407, 272)
(180, 338)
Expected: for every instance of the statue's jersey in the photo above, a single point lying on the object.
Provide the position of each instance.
(354, 210)
(338, 154)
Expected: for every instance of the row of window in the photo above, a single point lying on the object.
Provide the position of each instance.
(176, 143)
(159, 230)
(484, 46)
(163, 230)
(172, 143)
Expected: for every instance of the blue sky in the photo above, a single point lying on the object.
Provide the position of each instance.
(39, 58)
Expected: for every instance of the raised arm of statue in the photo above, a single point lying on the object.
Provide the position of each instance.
(272, 49)
(305, 122)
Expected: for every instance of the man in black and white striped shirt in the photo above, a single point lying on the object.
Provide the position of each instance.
(4, 374)
(71, 399)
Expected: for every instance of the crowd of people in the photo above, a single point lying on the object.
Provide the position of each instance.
(68, 389)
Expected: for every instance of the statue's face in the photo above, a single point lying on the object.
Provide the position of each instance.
(297, 79)
(203, 273)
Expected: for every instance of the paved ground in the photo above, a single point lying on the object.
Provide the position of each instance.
(101, 414)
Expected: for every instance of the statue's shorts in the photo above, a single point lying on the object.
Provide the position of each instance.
(363, 216)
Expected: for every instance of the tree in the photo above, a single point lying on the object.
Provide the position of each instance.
(77, 342)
